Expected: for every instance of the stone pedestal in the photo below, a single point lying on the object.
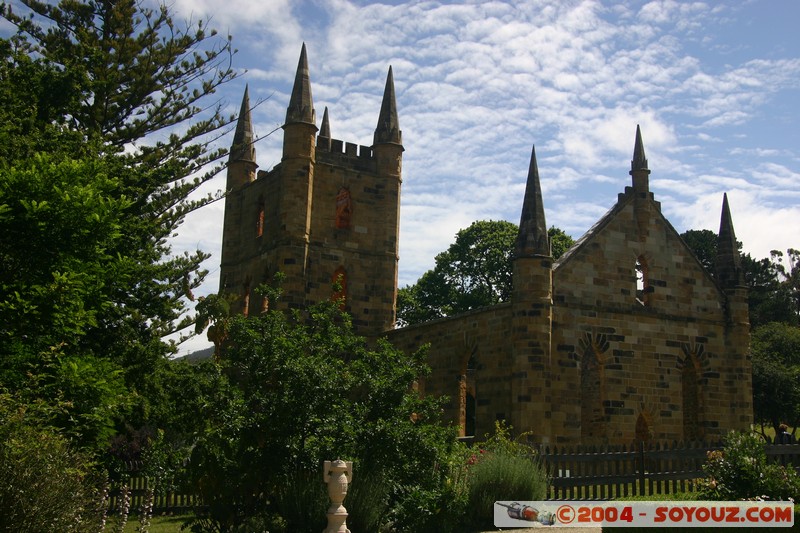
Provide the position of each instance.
(337, 474)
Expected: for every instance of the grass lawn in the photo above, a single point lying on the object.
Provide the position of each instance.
(159, 524)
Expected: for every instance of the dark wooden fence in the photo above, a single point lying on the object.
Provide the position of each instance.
(140, 489)
(607, 472)
(577, 473)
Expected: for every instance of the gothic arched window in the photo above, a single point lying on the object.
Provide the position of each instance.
(260, 219)
(643, 432)
(591, 387)
(467, 400)
(246, 300)
(690, 390)
(592, 416)
(339, 282)
(643, 287)
(344, 208)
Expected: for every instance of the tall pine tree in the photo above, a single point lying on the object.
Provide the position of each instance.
(107, 125)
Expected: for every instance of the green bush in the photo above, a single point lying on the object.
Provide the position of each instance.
(501, 469)
(439, 507)
(46, 485)
(741, 471)
(302, 503)
(299, 388)
(424, 510)
(502, 476)
(471, 480)
(367, 501)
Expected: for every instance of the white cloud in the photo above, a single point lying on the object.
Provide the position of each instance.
(237, 13)
(682, 14)
(778, 178)
(760, 229)
(479, 82)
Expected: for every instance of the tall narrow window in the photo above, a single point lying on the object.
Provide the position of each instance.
(643, 431)
(690, 402)
(469, 415)
(260, 220)
(643, 289)
(344, 208)
(339, 282)
(690, 389)
(592, 419)
(246, 300)
(462, 405)
(468, 403)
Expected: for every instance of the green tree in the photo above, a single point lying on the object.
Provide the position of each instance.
(475, 271)
(47, 485)
(560, 242)
(105, 129)
(775, 349)
(214, 313)
(133, 86)
(61, 222)
(305, 389)
(704, 245)
(125, 71)
(774, 288)
(773, 283)
(740, 471)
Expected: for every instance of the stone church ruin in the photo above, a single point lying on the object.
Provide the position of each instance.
(583, 351)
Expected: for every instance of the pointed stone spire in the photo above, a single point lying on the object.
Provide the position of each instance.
(301, 104)
(728, 263)
(325, 129)
(243, 147)
(639, 171)
(639, 161)
(532, 239)
(388, 129)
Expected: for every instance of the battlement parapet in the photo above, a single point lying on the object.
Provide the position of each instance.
(337, 146)
(337, 152)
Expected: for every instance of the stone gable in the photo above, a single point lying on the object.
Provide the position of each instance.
(627, 337)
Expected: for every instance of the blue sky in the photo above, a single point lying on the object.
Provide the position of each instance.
(714, 85)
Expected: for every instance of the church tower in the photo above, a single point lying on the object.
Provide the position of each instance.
(730, 275)
(532, 312)
(326, 217)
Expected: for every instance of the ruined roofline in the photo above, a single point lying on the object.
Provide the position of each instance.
(337, 146)
(458, 316)
(623, 200)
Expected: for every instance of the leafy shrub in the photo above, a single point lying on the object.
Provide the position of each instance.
(47, 486)
(423, 510)
(502, 469)
(367, 501)
(502, 476)
(470, 481)
(300, 388)
(302, 503)
(741, 471)
(436, 508)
